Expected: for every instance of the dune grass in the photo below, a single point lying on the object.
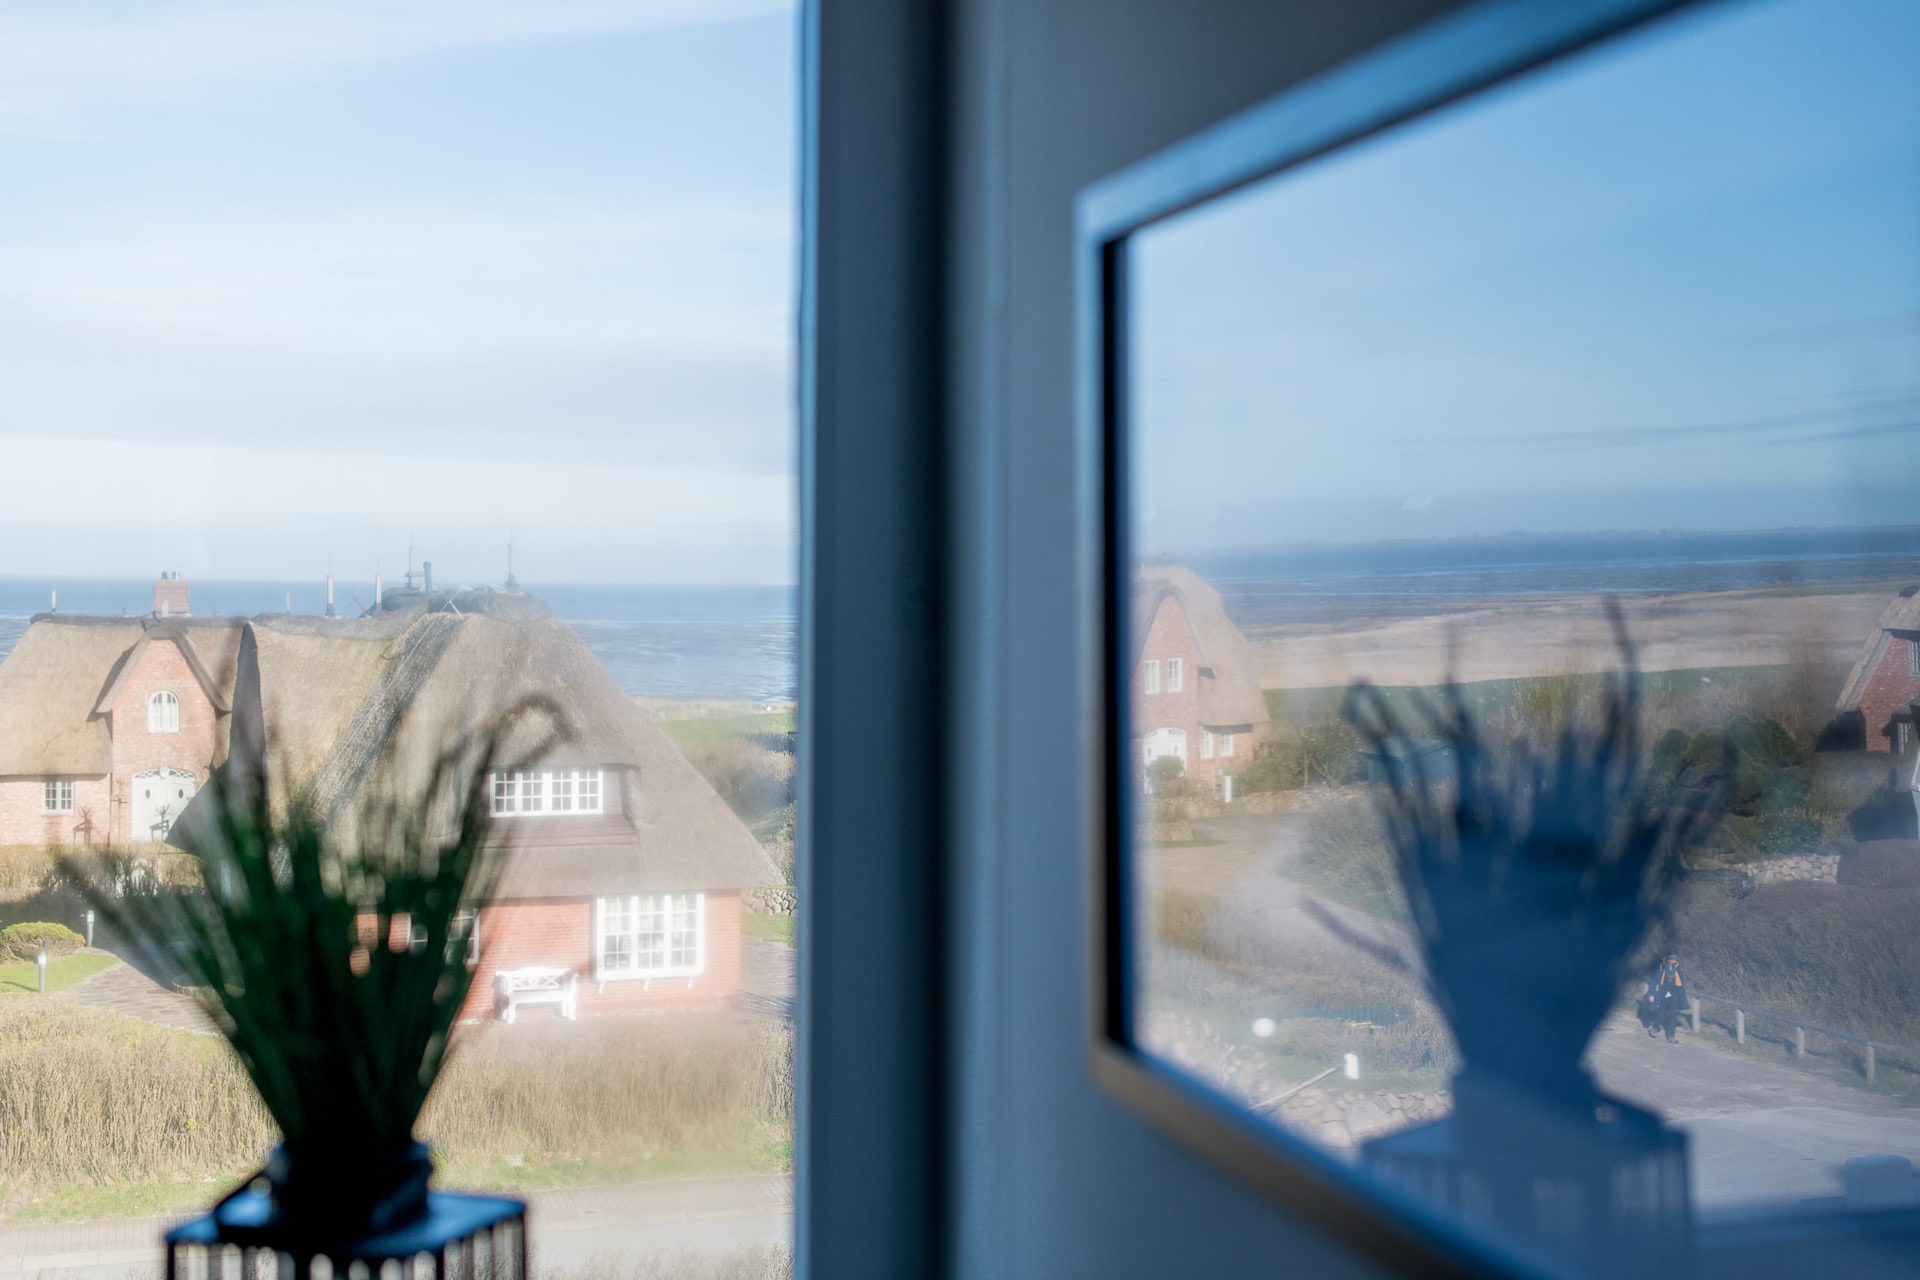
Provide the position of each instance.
(103, 1114)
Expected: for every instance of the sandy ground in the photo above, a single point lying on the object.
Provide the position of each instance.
(1566, 634)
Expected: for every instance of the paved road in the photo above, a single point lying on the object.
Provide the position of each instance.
(1762, 1131)
(571, 1227)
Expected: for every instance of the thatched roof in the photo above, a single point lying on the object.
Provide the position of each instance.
(1229, 676)
(1902, 614)
(349, 711)
(59, 683)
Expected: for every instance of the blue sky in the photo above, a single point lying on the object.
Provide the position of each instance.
(1672, 284)
(289, 281)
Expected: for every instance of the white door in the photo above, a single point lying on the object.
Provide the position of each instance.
(159, 795)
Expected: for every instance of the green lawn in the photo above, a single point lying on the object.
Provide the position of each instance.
(16, 979)
(707, 728)
(768, 928)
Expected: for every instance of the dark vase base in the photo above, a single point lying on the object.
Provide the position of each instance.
(344, 1194)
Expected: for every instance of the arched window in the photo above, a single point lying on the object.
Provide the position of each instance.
(163, 713)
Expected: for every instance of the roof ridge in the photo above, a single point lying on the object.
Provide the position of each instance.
(372, 725)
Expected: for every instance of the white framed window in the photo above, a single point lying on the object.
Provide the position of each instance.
(535, 791)
(1175, 671)
(1206, 744)
(57, 796)
(1913, 655)
(650, 935)
(1164, 742)
(1150, 676)
(163, 713)
(1902, 736)
(1226, 744)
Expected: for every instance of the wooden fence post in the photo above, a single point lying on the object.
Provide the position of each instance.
(1740, 1025)
(1799, 1042)
(1869, 1064)
(1693, 1007)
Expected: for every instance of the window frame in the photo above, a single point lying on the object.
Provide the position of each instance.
(52, 791)
(577, 779)
(1176, 675)
(1913, 654)
(163, 711)
(1452, 58)
(1149, 677)
(632, 903)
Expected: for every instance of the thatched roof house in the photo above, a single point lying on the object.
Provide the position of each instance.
(618, 864)
(108, 725)
(1882, 690)
(1196, 679)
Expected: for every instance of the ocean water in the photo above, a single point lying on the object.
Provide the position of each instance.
(659, 642)
(1281, 586)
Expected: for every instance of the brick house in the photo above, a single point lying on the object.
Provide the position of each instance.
(616, 860)
(1883, 688)
(1196, 683)
(108, 726)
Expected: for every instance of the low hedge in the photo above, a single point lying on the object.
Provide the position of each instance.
(26, 941)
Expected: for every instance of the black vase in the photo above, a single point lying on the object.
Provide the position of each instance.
(346, 1193)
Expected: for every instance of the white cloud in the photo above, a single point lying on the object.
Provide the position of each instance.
(59, 56)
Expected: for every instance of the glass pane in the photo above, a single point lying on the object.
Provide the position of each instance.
(1642, 328)
(416, 360)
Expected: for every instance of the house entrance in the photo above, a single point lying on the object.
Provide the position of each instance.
(159, 796)
(1166, 742)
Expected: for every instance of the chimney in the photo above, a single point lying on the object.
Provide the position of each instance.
(170, 597)
(426, 567)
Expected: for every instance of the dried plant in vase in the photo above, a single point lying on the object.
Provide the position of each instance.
(327, 955)
(1533, 874)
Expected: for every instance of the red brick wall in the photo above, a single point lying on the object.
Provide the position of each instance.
(1889, 689)
(1168, 636)
(559, 931)
(22, 820)
(161, 666)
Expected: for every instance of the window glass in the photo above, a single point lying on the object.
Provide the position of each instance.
(364, 371)
(1635, 336)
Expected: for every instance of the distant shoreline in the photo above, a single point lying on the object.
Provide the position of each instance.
(1517, 637)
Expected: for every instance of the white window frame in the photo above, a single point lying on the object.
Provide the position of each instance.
(1176, 671)
(163, 712)
(636, 904)
(1150, 676)
(1226, 744)
(56, 795)
(1913, 653)
(1206, 744)
(508, 792)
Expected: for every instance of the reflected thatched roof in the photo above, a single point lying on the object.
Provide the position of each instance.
(1229, 678)
(348, 713)
(58, 685)
(1902, 614)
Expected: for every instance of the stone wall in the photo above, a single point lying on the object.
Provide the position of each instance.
(1347, 1118)
(782, 900)
(1821, 867)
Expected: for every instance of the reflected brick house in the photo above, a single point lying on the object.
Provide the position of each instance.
(1196, 681)
(1883, 688)
(108, 726)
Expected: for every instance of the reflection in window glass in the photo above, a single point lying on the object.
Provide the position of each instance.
(364, 370)
(1641, 327)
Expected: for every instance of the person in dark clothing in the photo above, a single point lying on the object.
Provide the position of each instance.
(1666, 999)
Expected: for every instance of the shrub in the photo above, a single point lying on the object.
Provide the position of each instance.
(26, 941)
(754, 779)
(1319, 751)
(1344, 854)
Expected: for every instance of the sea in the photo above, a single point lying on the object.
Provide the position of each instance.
(1270, 588)
(738, 642)
(679, 642)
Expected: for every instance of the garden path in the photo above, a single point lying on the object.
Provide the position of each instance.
(1762, 1128)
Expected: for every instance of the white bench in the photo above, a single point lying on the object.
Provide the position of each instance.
(536, 984)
